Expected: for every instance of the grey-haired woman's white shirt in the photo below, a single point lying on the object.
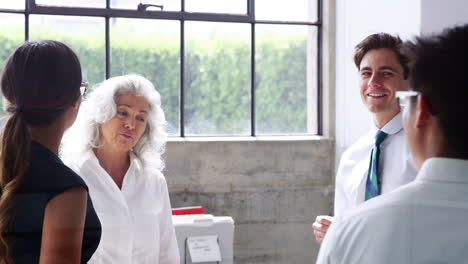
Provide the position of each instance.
(136, 220)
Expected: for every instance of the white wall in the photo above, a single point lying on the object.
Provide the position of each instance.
(437, 14)
(357, 19)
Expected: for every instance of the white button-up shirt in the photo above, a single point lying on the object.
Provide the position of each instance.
(395, 166)
(136, 220)
(422, 222)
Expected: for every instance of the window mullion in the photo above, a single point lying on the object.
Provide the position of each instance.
(252, 80)
(319, 71)
(182, 77)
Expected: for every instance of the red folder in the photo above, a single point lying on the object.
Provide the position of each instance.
(188, 210)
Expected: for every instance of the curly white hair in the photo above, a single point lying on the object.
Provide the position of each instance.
(100, 106)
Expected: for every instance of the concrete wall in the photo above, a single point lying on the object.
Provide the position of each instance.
(273, 189)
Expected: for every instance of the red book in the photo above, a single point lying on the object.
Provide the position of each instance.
(188, 210)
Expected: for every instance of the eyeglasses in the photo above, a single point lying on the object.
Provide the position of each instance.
(404, 97)
(83, 88)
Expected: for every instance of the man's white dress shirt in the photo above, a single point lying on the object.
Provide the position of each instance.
(136, 220)
(425, 221)
(395, 167)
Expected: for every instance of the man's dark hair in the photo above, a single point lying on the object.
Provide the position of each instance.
(439, 72)
(381, 41)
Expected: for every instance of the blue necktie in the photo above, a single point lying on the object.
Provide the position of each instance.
(373, 179)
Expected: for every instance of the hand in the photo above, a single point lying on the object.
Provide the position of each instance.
(321, 225)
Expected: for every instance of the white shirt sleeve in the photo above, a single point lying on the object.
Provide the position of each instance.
(169, 251)
(342, 199)
(329, 246)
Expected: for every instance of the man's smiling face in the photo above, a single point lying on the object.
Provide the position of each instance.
(381, 77)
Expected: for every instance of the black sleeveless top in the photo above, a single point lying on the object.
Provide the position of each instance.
(47, 177)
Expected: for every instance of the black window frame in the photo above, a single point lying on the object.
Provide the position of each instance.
(31, 8)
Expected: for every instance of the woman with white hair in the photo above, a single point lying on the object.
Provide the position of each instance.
(116, 146)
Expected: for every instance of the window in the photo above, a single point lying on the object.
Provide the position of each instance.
(223, 67)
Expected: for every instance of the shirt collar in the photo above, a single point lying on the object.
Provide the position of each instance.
(135, 161)
(393, 126)
(444, 169)
(84, 157)
(90, 156)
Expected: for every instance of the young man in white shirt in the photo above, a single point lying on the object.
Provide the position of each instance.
(424, 221)
(383, 71)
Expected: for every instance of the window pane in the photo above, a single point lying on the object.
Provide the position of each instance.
(74, 3)
(168, 5)
(85, 35)
(150, 48)
(217, 78)
(11, 36)
(12, 4)
(292, 10)
(217, 6)
(286, 79)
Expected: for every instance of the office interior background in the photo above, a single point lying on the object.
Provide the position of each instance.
(261, 96)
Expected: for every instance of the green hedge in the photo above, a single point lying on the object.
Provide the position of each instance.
(217, 78)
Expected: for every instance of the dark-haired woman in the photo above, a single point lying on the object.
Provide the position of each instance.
(46, 215)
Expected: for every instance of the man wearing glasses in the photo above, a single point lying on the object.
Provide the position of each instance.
(379, 162)
(426, 220)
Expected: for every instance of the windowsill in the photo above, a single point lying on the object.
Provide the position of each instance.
(248, 139)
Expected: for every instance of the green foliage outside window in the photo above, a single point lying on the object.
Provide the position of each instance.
(222, 96)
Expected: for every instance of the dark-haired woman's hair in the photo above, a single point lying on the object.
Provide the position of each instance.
(40, 80)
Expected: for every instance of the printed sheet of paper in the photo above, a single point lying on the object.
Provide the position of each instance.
(204, 249)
